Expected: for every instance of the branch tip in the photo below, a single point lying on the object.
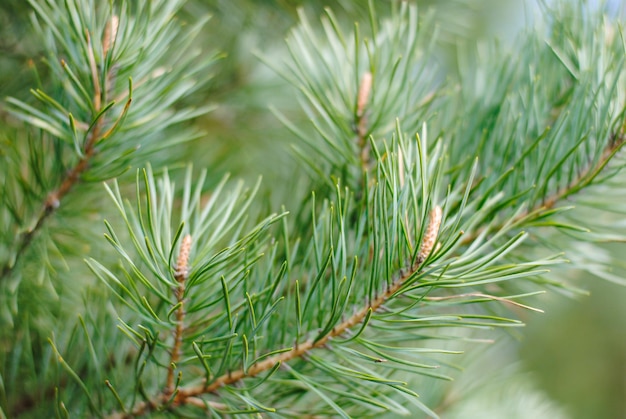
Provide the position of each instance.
(364, 93)
(183, 259)
(110, 34)
(430, 238)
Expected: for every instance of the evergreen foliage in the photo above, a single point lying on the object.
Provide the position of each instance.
(418, 216)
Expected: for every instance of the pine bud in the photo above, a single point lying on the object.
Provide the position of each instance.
(183, 259)
(364, 93)
(110, 33)
(430, 238)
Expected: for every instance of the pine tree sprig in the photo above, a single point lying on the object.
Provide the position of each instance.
(299, 351)
(425, 229)
(353, 86)
(584, 179)
(410, 279)
(54, 198)
(90, 63)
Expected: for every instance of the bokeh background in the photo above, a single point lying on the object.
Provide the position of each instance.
(569, 362)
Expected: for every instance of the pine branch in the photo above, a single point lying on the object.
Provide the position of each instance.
(151, 237)
(323, 316)
(94, 136)
(583, 180)
(188, 395)
(358, 85)
(87, 78)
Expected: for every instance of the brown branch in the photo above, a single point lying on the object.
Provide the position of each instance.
(584, 178)
(300, 350)
(72, 178)
(589, 173)
(53, 200)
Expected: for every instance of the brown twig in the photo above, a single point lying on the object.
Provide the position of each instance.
(182, 270)
(232, 377)
(53, 200)
(72, 178)
(585, 177)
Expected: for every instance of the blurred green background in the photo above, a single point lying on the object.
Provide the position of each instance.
(567, 363)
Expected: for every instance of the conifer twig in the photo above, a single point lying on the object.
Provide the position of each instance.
(53, 199)
(182, 270)
(300, 349)
(583, 179)
(72, 177)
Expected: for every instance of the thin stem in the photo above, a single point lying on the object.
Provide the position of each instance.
(53, 200)
(302, 348)
(590, 172)
(179, 292)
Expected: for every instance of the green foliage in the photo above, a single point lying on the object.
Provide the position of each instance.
(426, 198)
(327, 70)
(554, 109)
(93, 120)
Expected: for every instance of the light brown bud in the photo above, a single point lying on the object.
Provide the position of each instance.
(364, 93)
(110, 33)
(183, 259)
(430, 237)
